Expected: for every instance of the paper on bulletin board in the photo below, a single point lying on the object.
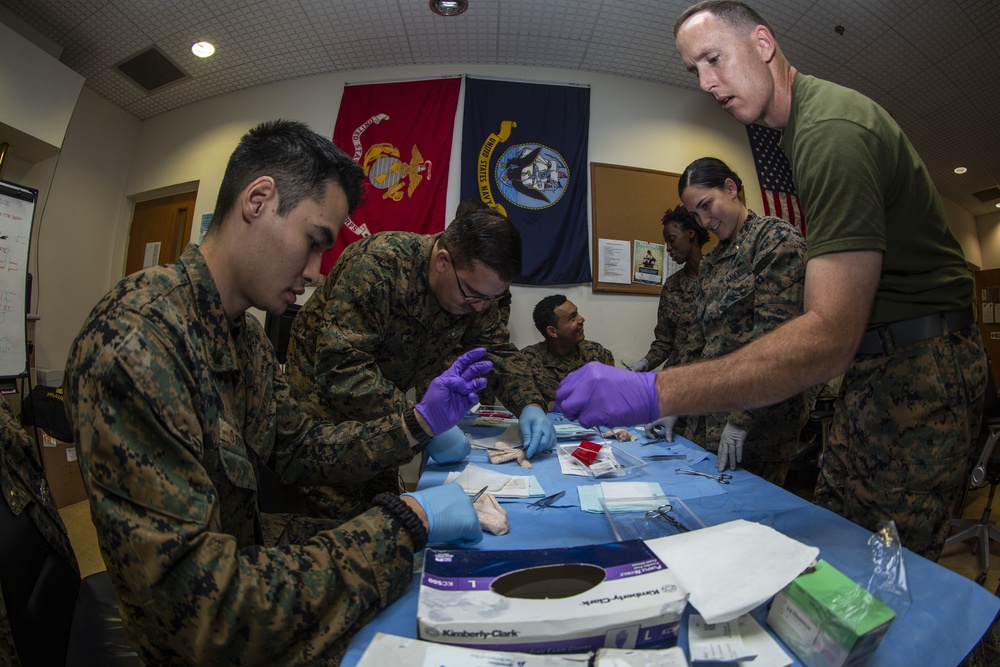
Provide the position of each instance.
(152, 255)
(988, 313)
(648, 262)
(615, 262)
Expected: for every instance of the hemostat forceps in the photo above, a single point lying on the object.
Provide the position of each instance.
(663, 512)
(546, 501)
(722, 478)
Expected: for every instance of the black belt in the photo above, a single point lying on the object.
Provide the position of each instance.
(886, 338)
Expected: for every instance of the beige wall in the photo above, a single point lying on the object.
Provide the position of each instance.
(109, 159)
(76, 246)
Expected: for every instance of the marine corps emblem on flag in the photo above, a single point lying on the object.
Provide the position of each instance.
(400, 134)
(386, 171)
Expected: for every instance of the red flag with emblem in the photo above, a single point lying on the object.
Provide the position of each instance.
(400, 133)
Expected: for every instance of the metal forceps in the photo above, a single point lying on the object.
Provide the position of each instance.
(721, 478)
(663, 512)
(660, 431)
(665, 457)
(546, 501)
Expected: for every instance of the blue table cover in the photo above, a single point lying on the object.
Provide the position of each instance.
(946, 618)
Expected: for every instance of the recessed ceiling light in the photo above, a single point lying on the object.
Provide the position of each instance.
(448, 7)
(998, 205)
(203, 49)
(960, 170)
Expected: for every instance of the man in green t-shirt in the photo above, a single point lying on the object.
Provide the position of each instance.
(888, 298)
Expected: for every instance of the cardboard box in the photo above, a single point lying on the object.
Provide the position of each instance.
(569, 600)
(62, 470)
(406, 652)
(828, 620)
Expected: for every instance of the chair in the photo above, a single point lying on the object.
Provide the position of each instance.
(54, 617)
(986, 470)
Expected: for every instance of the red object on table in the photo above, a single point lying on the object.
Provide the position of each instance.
(587, 451)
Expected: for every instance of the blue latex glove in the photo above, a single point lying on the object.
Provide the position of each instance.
(661, 428)
(536, 430)
(600, 395)
(450, 515)
(450, 446)
(451, 394)
(731, 446)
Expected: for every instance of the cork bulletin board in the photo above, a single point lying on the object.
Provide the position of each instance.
(627, 204)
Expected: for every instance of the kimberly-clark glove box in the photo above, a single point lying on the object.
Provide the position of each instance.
(569, 600)
(828, 620)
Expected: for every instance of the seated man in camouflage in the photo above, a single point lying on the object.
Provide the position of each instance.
(564, 349)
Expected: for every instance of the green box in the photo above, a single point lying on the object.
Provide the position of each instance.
(828, 620)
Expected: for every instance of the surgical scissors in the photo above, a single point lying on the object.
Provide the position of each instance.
(663, 511)
(721, 478)
(546, 501)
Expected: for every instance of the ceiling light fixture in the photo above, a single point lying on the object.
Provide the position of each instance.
(448, 7)
(960, 170)
(202, 49)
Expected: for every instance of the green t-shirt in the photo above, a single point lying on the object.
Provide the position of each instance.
(863, 187)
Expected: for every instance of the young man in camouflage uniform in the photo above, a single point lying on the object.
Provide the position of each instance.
(888, 296)
(175, 397)
(394, 310)
(564, 348)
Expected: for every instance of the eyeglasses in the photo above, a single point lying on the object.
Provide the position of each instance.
(469, 297)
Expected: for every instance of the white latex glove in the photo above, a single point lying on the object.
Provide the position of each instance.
(661, 428)
(639, 366)
(731, 446)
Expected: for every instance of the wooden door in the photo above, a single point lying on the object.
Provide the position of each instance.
(988, 300)
(160, 230)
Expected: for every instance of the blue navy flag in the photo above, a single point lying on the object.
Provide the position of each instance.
(524, 153)
(775, 175)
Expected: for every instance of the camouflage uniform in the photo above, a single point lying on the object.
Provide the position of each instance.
(677, 309)
(747, 286)
(25, 489)
(373, 331)
(907, 419)
(173, 407)
(549, 369)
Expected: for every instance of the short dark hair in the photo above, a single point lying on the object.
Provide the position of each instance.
(544, 313)
(467, 206)
(687, 221)
(301, 162)
(708, 172)
(481, 234)
(731, 12)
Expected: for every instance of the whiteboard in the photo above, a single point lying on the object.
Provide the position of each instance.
(17, 208)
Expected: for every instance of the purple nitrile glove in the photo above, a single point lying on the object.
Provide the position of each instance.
(453, 393)
(600, 395)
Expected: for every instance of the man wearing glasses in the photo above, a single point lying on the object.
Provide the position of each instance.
(394, 311)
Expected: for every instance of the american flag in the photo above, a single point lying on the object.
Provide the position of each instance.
(775, 175)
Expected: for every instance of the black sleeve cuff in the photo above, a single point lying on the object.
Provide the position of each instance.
(406, 517)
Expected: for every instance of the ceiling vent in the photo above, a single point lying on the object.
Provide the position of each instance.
(989, 194)
(151, 69)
